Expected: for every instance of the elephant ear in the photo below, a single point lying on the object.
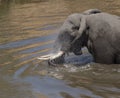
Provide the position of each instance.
(82, 28)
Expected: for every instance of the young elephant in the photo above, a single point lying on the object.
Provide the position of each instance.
(98, 31)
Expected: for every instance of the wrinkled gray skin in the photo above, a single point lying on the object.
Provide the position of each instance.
(96, 30)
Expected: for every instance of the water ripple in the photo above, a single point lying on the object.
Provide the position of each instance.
(28, 41)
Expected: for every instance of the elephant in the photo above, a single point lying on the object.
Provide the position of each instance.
(98, 31)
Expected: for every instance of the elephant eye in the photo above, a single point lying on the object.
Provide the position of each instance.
(75, 28)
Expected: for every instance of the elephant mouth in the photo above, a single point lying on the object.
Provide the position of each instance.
(54, 58)
(77, 52)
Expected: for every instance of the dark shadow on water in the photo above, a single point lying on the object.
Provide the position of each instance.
(79, 60)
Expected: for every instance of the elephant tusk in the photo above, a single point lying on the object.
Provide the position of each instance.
(51, 56)
(45, 57)
(54, 56)
(40, 58)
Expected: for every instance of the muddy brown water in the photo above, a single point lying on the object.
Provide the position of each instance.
(27, 30)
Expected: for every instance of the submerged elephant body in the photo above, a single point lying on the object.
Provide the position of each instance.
(96, 30)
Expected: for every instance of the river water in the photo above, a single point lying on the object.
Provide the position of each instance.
(27, 30)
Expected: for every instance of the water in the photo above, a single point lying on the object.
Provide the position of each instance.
(27, 30)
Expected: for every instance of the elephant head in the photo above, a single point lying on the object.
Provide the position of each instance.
(72, 36)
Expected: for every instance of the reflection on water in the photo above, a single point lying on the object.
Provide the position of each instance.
(28, 29)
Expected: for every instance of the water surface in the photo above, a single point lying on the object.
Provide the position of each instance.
(28, 29)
